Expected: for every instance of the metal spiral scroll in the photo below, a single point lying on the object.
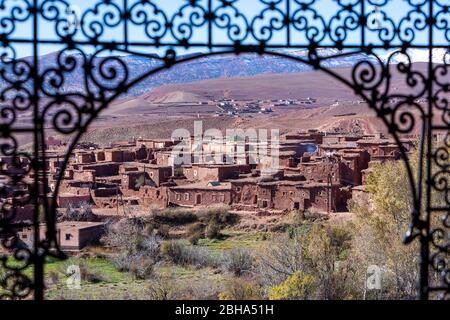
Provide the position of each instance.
(104, 30)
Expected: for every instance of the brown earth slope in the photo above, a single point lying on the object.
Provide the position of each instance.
(159, 112)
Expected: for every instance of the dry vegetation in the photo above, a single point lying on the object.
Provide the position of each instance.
(173, 254)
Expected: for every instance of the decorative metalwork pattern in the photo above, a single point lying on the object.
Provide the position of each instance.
(92, 37)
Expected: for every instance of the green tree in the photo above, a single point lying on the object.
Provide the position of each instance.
(313, 251)
(300, 285)
(379, 227)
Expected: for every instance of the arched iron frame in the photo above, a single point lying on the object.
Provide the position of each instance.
(88, 37)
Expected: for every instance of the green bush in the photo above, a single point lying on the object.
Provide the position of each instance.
(174, 217)
(195, 232)
(142, 267)
(220, 214)
(239, 262)
(163, 231)
(173, 251)
(240, 289)
(213, 230)
(180, 253)
(300, 285)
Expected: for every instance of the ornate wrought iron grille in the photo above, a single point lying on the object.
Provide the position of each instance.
(92, 37)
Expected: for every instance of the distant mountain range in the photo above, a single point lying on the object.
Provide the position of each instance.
(228, 66)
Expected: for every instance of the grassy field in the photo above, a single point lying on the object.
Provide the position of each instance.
(234, 239)
(109, 283)
(121, 285)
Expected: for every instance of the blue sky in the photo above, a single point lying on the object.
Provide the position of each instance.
(327, 8)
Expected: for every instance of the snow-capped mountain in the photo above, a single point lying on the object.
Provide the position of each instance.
(217, 66)
(415, 55)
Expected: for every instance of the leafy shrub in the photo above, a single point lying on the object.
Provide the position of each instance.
(179, 253)
(139, 265)
(53, 277)
(239, 261)
(149, 229)
(124, 235)
(163, 231)
(172, 216)
(239, 289)
(313, 216)
(173, 251)
(141, 258)
(162, 289)
(212, 231)
(121, 261)
(300, 285)
(195, 232)
(150, 247)
(142, 267)
(219, 214)
(91, 276)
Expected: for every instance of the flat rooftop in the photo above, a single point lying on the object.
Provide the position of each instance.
(79, 224)
(204, 185)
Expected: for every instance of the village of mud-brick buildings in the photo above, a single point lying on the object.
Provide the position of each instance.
(316, 171)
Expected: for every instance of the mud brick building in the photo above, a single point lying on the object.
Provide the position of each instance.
(156, 143)
(355, 160)
(380, 150)
(20, 215)
(255, 193)
(309, 136)
(13, 166)
(123, 143)
(84, 157)
(200, 194)
(317, 171)
(155, 198)
(72, 236)
(207, 172)
(69, 199)
(135, 174)
(77, 192)
(101, 169)
(106, 196)
(287, 159)
(164, 158)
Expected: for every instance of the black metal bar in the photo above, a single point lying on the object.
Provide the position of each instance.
(125, 23)
(230, 45)
(374, 95)
(363, 25)
(210, 25)
(38, 285)
(288, 22)
(424, 239)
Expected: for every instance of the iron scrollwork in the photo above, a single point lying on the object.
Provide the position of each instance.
(91, 41)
